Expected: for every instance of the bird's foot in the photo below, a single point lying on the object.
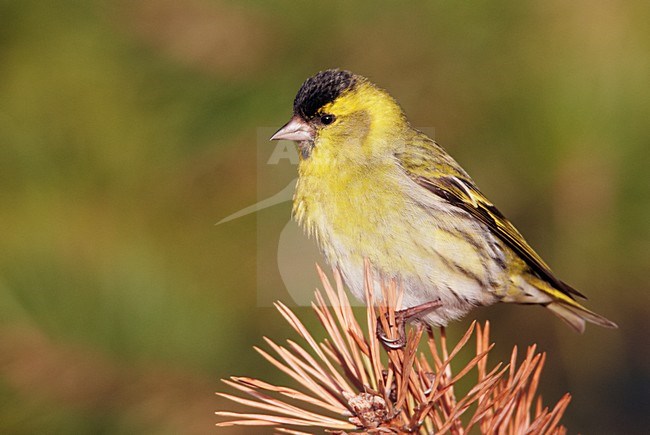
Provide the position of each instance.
(401, 317)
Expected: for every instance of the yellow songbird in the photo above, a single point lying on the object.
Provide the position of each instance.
(372, 187)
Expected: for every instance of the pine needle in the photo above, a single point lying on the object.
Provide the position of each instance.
(350, 383)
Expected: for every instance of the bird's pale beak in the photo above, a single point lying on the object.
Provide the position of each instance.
(296, 129)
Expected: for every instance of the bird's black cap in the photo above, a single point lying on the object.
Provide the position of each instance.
(321, 89)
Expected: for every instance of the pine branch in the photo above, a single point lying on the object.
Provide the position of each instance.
(350, 383)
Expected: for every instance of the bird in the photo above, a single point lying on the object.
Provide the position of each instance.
(371, 188)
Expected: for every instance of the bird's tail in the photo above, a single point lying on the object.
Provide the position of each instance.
(576, 315)
(560, 302)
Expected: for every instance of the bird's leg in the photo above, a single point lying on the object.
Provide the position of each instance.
(401, 317)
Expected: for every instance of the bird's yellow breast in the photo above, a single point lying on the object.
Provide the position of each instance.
(345, 209)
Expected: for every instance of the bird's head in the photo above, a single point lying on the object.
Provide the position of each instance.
(344, 115)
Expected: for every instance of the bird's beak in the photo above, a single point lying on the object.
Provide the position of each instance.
(296, 129)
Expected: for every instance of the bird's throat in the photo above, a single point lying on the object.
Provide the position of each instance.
(305, 147)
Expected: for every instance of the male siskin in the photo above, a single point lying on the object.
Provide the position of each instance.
(372, 187)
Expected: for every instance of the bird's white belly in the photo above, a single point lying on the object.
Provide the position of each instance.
(432, 271)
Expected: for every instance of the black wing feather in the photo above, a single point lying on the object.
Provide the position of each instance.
(465, 195)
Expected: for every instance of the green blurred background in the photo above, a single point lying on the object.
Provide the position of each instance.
(129, 128)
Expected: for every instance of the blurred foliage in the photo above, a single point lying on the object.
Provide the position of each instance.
(128, 129)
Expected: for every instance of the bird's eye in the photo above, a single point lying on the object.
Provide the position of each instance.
(327, 119)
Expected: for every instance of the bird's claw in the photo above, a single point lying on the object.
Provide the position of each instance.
(401, 317)
(392, 343)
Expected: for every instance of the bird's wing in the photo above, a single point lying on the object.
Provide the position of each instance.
(463, 194)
